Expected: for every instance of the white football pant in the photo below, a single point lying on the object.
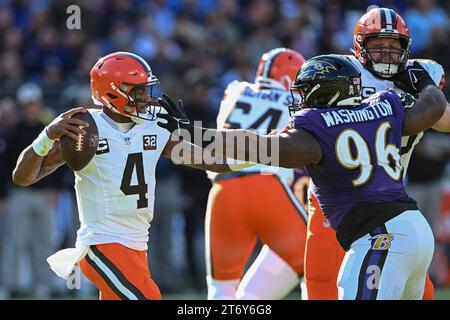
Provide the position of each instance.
(390, 263)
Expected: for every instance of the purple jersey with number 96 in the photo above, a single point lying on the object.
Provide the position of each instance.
(360, 154)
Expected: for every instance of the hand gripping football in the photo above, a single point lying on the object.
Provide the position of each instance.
(78, 153)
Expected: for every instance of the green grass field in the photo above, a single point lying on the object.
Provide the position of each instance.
(440, 294)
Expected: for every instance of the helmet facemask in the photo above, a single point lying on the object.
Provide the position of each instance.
(386, 61)
(142, 104)
(312, 97)
(298, 96)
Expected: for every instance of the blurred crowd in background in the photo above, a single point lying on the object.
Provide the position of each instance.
(195, 48)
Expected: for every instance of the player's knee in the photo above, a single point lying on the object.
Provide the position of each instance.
(221, 289)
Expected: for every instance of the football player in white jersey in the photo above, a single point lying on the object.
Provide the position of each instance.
(257, 202)
(115, 190)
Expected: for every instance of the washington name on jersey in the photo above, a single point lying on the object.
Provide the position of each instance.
(115, 191)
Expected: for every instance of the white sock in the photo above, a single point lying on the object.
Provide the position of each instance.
(221, 289)
(268, 278)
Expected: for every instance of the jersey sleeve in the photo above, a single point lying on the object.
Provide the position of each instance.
(302, 120)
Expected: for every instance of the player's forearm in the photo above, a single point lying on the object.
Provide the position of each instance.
(428, 109)
(243, 145)
(443, 124)
(188, 154)
(27, 168)
(52, 161)
(31, 167)
(283, 150)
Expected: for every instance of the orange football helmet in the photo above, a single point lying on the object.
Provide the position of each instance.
(382, 22)
(123, 82)
(278, 68)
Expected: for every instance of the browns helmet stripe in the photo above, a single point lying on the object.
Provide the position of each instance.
(388, 16)
(270, 60)
(394, 19)
(383, 18)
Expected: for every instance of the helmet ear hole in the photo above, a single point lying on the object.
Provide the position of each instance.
(110, 95)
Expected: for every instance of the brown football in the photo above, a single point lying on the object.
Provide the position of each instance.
(77, 154)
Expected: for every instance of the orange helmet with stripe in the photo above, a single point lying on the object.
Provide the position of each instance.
(278, 68)
(384, 23)
(123, 82)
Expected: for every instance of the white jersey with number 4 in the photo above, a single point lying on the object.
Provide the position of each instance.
(116, 190)
(372, 84)
(249, 106)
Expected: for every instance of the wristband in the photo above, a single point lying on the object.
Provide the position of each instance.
(42, 144)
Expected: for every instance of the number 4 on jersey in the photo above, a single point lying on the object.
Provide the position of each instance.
(135, 161)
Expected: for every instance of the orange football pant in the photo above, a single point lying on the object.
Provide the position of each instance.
(119, 273)
(323, 258)
(242, 209)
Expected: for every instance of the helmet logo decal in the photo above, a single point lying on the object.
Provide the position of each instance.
(319, 68)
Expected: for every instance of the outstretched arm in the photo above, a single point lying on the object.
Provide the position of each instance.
(292, 148)
(427, 110)
(188, 154)
(44, 156)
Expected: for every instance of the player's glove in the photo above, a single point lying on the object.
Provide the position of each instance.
(175, 117)
(407, 100)
(413, 79)
(177, 120)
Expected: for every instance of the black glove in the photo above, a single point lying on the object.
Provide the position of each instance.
(413, 79)
(176, 116)
(407, 100)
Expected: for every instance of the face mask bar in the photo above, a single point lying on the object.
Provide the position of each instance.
(297, 98)
(305, 90)
(386, 61)
(142, 105)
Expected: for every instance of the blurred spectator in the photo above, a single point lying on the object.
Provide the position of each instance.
(30, 214)
(8, 118)
(424, 19)
(195, 184)
(427, 168)
(11, 73)
(167, 204)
